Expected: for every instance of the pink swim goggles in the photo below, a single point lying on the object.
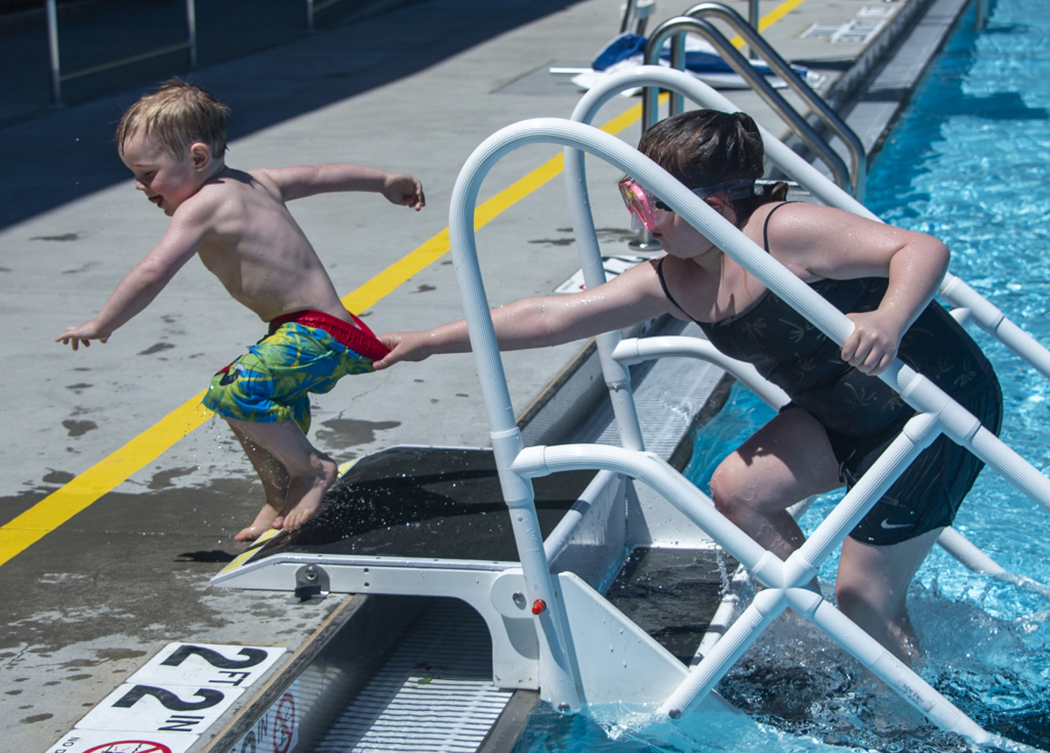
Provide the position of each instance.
(643, 204)
(640, 203)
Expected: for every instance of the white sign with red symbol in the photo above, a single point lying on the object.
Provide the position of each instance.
(169, 702)
(277, 731)
(108, 742)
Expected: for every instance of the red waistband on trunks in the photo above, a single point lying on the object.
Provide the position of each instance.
(360, 338)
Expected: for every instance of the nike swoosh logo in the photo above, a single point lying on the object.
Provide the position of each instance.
(889, 526)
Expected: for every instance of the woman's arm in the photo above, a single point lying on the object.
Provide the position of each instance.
(815, 242)
(632, 297)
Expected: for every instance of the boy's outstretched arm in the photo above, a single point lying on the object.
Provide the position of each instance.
(299, 182)
(141, 285)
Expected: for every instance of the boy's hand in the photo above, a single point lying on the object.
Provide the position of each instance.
(82, 333)
(404, 190)
(404, 346)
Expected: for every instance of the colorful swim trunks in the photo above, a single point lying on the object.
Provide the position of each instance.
(304, 353)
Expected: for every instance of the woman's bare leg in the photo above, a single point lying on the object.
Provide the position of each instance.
(784, 462)
(788, 460)
(872, 588)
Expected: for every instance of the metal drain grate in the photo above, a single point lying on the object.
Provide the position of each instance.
(434, 695)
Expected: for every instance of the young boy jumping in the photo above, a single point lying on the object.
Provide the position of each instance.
(174, 141)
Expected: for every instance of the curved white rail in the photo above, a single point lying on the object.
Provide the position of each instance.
(516, 464)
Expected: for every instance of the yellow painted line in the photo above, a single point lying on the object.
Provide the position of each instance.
(100, 479)
(250, 552)
(397, 273)
(769, 19)
(106, 475)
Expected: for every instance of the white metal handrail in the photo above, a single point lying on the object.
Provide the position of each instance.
(57, 77)
(986, 315)
(785, 580)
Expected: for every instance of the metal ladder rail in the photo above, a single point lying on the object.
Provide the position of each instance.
(830, 118)
(785, 580)
(677, 27)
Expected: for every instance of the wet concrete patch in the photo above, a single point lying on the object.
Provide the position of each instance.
(79, 428)
(12, 507)
(342, 433)
(157, 348)
(108, 590)
(162, 480)
(57, 477)
(63, 237)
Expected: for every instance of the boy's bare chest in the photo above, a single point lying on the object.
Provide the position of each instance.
(223, 259)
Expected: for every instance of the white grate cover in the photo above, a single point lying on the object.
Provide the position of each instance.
(434, 695)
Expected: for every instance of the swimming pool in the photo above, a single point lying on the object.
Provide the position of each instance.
(968, 162)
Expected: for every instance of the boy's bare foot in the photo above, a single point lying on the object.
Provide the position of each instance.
(305, 495)
(251, 533)
(260, 525)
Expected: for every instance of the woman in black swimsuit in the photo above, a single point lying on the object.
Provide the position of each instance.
(839, 419)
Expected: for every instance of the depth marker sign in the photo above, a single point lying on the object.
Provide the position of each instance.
(166, 705)
(207, 665)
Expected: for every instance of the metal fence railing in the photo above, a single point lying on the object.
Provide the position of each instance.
(57, 76)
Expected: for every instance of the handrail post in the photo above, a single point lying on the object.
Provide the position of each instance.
(52, 44)
(628, 12)
(980, 14)
(191, 31)
(752, 20)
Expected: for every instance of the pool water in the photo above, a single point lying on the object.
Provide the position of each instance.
(969, 162)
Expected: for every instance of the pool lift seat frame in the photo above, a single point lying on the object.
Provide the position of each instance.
(785, 580)
(937, 413)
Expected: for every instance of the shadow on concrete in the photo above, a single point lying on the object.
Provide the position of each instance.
(56, 155)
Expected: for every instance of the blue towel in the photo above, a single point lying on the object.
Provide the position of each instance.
(628, 45)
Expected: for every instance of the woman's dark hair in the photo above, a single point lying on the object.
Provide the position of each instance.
(702, 148)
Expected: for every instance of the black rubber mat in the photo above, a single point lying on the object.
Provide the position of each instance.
(443, 503)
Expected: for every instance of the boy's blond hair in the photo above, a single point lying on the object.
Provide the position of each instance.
(176, 115)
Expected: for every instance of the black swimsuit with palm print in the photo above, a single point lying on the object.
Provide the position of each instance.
(862, 414)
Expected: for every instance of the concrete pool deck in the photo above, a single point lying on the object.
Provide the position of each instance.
(117, 503)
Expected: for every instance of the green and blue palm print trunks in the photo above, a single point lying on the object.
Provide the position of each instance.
(305, 352)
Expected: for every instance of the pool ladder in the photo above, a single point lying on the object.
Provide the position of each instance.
(695, 21)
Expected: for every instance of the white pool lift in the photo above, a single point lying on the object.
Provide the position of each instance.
(551, 630)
